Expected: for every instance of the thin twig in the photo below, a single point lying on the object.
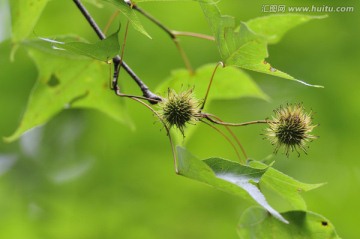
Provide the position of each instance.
(169, 32)
(115, 85)
(117, 60)
(111, 19)
(234, 137)
(209, 86)
(154, 20)
(226, 137)
(137, 97)
(209, 117)
(90, 20)
(193, 34)
(184, 56)
(237, 141)
(167, 131)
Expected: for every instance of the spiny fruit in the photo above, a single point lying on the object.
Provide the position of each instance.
(290, 128)
(180, 109)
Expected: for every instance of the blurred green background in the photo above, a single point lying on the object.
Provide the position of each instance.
(83, 175)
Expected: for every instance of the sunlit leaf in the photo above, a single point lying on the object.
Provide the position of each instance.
(102, 50)
(288, 188)
(227, 176)
(25, 14)
(274, 27)
(130, 14)
(65, 83)
(257, 223)
(239, 45)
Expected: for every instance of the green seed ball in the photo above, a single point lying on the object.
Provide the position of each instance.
(290, 129)
(179, 109)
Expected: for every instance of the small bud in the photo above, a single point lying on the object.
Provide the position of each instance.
(290, 128)
(180, 109)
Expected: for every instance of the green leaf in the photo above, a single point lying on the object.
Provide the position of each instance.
(257, 223)
(47, 46)
(274, 27)
(240, 46)
(130, 14)
(227, 176)
(228, 83)
(25, 14)
(284, 186)
(65, 83)
(102, 50)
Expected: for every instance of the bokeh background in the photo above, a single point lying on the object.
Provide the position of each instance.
(83, 175)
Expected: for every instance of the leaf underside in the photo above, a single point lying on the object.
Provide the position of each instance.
(227, 176)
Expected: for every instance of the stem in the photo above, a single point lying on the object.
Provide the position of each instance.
(233, 135)
(136, 97)
(90, 20)
(114, 85)
(194, 34)
(226, 137)
(169, 32)
(237, 141)
(117, 60)
(154, 20)
(209, 117)
(209, 86)
(183, 56)
(111, 19)
(167, 131)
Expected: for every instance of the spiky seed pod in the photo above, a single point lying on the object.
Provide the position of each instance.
(180, 109)
(290, 128)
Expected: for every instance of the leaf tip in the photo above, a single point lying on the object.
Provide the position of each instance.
(319, 185)
(307, 84)
(277, 215)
